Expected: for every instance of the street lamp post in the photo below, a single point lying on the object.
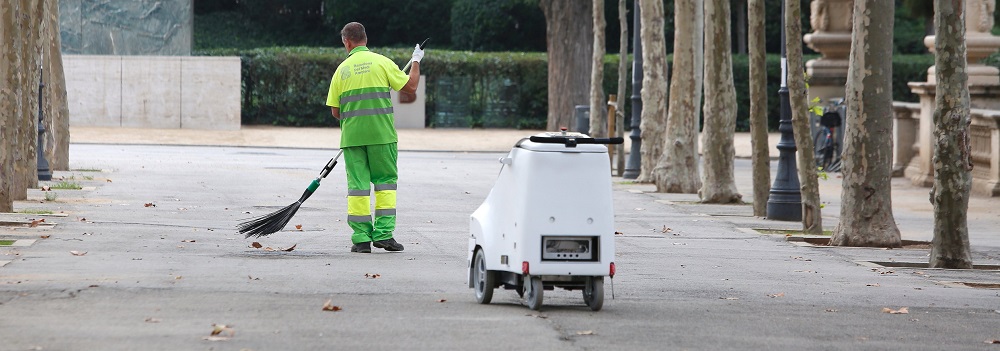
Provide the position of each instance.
(785, 200)
(44, 173)
(632, 167)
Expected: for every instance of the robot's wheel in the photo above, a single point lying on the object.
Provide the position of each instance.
(483, 280)
(593, 293)
(533, 291)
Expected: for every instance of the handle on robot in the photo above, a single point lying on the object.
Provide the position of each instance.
(571, 142)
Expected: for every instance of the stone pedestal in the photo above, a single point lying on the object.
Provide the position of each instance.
(831, 37)
(979, 42)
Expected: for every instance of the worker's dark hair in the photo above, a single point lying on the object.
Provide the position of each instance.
(354, 32)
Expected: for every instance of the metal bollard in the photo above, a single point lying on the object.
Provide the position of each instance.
(44, 173)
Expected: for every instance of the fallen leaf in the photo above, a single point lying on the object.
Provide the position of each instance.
(152, 320)
(328, 306)
(994, 341)
(268, 249)
(109, 180)
(180, 246)
(78, 253)
(619, 233)
(222, 328)
(150, 204)
(729, 298)
(831, 310)
(35, 223)
(298, 226)
(256, 245)
(46, 188)
(216, 338)
(781, 294)
(46, 236)
(665, 230)
(442, 300)
(290, 248)
(372, 276)
(904, 310)
(187, 241)
(83, 219)
(585, 332)
(873, 285)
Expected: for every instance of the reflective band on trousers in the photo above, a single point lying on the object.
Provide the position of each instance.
(386, 212)
(353, 218)
(380, 187)
(365, 96)
(366, 112)
(363, 192)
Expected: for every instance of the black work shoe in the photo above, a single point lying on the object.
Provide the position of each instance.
(365, 247)
(389, 245)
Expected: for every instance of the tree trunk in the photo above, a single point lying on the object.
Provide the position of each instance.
(952, 151)
(676, 169)
(654, 87)
(812, 222)
(699, 60)
(866, 202)
(56, 105)
(622, 81)
(27, 51)
(719, 184)
(7, 108)
(598, 103)
(569, 36)
(761, 154)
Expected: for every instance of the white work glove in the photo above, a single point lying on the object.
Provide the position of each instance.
(418, 54)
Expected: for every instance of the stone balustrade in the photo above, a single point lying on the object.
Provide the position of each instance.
(911, 159)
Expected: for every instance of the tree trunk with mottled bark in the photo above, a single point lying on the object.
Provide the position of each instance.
(718, 180)
(866, 201)
(27, 50)
(952, 151)
(622, 81)
(812, 221)
(761, 154)
(654, 87)
(7, 109)
(676, 169)
(56, 106)
(569, 37)
(598, 103)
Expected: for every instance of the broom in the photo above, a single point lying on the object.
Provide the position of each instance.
(275, 221)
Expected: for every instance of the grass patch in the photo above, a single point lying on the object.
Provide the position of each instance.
(6, 242)
(38, 212)
(790, 232)
(87, 170)
(66, 185)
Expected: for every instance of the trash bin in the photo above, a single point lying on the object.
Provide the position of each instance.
(582, 116)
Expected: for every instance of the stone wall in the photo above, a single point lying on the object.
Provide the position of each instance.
(126, 27)
(153, 91)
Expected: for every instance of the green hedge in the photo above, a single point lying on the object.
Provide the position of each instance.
(288, 85)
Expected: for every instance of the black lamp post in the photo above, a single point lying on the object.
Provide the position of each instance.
(632, 167)
(44, 173)
(785, 200)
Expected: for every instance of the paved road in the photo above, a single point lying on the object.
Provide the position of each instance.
(158, 277)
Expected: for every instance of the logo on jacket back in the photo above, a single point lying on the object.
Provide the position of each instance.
(345, 74)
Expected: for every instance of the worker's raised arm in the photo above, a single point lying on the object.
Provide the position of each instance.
(411, 85)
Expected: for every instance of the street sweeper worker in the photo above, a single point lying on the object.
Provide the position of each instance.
(359, 99)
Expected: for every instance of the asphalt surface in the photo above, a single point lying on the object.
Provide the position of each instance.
(163, 263)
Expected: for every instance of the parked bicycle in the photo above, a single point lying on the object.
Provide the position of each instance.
(826, 144)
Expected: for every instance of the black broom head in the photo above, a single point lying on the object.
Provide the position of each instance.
(269, 223)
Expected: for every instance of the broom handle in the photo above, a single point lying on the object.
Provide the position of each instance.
(329, 166)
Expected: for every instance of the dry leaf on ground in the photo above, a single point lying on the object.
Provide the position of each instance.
(222, 328)
(216, 338)
(994, 341)
(442, 300)
(78, 253)
(328, 306)
(152, 320)
(904, 310)
(150, 204)
(298, 226)
(729, 298)
(290, 249)
(187, 241)
(781, 294)
(256, 245)
(46, 188)
(665, 230)
(585, 332)
(372, 276)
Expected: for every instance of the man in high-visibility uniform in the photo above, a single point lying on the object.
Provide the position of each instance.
(359, 98)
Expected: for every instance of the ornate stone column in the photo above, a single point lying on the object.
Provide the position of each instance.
(831, 21)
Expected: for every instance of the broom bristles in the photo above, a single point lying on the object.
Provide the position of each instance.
(269, 223)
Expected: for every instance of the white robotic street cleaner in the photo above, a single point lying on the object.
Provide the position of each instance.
(548, 221)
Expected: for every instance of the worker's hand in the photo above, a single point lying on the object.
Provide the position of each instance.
(418, 54)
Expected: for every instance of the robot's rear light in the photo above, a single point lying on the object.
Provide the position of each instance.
(524, 268)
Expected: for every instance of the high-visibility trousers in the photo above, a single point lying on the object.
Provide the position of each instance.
(367, 166)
